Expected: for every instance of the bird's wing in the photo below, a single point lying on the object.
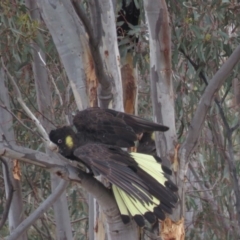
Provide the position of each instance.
(140, 183)
(103, 127)
(138, 124)
(113, 164)
(139, 175)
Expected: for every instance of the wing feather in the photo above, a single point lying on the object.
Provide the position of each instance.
(112, 127)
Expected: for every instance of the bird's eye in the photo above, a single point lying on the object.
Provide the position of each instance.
(59, 141)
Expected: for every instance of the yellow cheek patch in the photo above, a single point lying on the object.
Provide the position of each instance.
(69, 141)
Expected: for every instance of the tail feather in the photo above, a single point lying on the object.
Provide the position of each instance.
(137, 216)
(121, 205)
(129, 206)
(156, 179)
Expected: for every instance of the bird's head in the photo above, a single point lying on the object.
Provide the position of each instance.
(65, 139)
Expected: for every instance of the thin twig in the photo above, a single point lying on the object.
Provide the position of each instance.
(25, 107)
(9, 195)
(221, 112)
(42, 233)
(24, 125)
(230, 159)
(79, 220)
(226, 93)
(51, 76)
(39, 211)
(235, 127)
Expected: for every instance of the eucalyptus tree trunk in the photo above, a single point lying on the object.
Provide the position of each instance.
(163, 98)
(161, 73)
(105, 38)
(71, 43)
(16, 212)
(109, 51)
(70, 40)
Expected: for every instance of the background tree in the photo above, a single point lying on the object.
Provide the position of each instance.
(57, 57)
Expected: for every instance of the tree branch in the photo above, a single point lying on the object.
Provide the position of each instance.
(9, 196)
(208, 196)
(44, 137)
(230, 158)
(39, 211)
(103, 78)
(17, 119)
(202, 109)
(103, 195)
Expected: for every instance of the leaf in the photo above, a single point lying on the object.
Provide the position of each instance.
(124, 41)
(197, 31)
(120, 23)
(137, 4)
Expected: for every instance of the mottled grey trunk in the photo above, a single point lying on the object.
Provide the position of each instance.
(109, 51)
(161, 73)
(161, 83)
(15, 215)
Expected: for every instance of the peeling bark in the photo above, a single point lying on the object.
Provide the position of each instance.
(129, 82)
(171, 230)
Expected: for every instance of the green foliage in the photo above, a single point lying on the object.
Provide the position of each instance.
(207, 33)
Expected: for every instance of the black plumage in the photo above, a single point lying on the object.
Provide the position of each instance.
(140, 184)
(112, 127)
(147, 144)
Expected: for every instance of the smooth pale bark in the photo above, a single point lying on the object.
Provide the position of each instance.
(71, 43)
(163, 102)
(15, 215)
(94, 30)
(70, 40)
(161, 74)
(109, 51)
